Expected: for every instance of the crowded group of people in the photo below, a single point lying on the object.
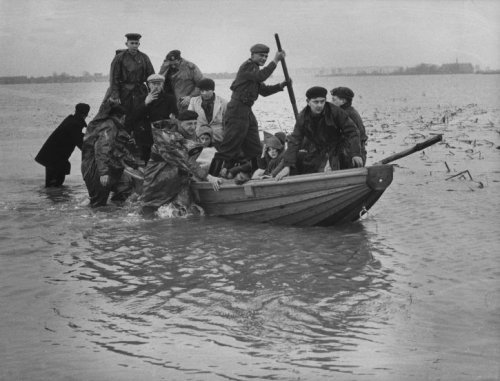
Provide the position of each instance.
(155, 133)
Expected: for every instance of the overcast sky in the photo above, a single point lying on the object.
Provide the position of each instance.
(39, 37)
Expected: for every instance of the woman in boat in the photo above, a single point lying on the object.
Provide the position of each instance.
(271, 161)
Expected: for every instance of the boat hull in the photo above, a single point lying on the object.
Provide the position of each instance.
(320, 199)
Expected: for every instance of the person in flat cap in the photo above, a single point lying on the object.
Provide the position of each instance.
(158, 106)
(211, 109)
(342, 97)
(57, 149)
(182, 76)
(241, 132)
(326, 134)
(128, 73)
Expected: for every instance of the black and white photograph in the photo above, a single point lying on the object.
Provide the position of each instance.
(250, 190)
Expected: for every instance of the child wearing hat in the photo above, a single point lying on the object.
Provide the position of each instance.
(271, 161)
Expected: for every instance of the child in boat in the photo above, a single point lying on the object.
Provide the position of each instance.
(204, 135)
(271, 161)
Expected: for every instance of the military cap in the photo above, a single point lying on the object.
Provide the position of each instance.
(316, 92)
(206, 84)
(188, 115)
(272, 141)
(133, 36)
(204, 130)
(259, 48)
(156, 78)
(343, 92)
(173, 55)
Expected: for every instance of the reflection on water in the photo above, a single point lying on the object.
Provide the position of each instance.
(270, 293)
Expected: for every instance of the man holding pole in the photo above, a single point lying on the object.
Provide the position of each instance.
(241, 134)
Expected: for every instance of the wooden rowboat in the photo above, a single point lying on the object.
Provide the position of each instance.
(320, 199)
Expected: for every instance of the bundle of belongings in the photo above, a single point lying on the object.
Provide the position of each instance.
(171, 169)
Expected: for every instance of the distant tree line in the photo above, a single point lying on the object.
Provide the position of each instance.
(85, 77)
(421, 69)
(55, 78)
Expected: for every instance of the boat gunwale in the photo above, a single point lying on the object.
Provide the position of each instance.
(296, 179)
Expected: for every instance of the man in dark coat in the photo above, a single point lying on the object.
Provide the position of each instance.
(241, 132)
(157, 106)
(342, 97)
(330, 135)
(106, 153)
(129, 70)
(56, 151)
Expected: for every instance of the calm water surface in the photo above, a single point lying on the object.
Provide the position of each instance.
(409, 293)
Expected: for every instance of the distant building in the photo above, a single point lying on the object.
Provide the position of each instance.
(457, 68)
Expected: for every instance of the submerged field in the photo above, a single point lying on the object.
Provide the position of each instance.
(409, 293)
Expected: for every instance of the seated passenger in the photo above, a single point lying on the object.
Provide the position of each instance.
(204, 134)
(342, 97)
(211, 109)
(330, 135)
(106, 152)
(271, 161)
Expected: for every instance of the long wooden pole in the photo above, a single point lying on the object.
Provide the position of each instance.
(409, 151)
(287, 78)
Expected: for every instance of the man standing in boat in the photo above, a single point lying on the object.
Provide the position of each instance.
(329, 133)
(241, 132)
(342, 97)
(181, 78)
(129, 71)
(158, 106)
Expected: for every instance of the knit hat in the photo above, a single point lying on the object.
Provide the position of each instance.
(316, 92)
(206, 84)
(343, 92)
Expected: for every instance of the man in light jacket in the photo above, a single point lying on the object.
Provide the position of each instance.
(210, 109)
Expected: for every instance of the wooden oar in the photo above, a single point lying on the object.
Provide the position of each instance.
(415, 148)
(287, 78)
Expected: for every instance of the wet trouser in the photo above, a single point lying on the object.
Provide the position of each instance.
(241, 135)
(119, 183)
(54, 177)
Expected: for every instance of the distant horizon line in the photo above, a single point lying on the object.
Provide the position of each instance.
(300, 69)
